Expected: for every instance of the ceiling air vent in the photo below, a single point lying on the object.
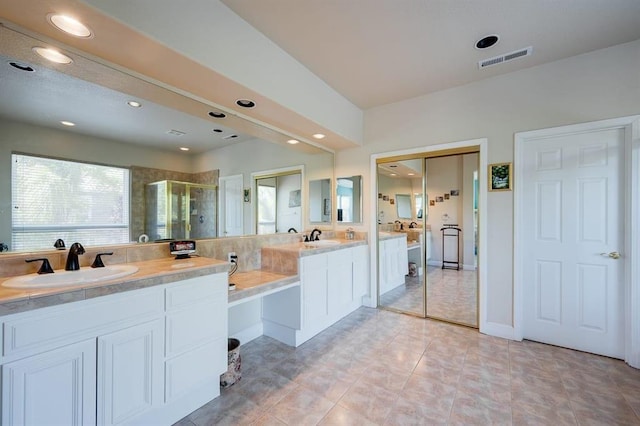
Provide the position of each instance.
(175, 132)
(505, 58)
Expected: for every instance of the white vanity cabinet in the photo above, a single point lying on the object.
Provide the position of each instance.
(332, 285)
(393, 263)
(130, 376)
(57, 387)
(104, 360)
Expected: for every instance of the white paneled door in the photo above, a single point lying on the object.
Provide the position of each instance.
(572, 236)
(231, 207)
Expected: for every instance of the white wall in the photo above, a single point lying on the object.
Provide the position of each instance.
(589, 87)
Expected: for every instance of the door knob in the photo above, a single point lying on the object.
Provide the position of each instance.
(612, 255)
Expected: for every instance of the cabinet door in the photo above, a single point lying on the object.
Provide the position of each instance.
(315, 298)
(360, 272)
(340, 282)
(54, 388)
(130, 373)
(403, 258)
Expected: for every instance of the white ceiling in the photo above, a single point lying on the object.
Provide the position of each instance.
(376, 52)
(372, 52)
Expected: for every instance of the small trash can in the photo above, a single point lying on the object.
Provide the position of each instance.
(413, 269)
(234, 362)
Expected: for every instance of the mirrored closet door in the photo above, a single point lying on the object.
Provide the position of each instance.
(427, 236)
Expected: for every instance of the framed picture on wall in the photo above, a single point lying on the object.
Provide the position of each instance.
(500, 177)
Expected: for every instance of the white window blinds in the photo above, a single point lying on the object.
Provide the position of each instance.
(74, 201)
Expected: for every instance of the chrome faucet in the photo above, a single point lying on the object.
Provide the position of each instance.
(311, 236)
(72, 258)
(293, 230)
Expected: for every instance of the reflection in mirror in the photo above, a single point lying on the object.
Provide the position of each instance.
(180, 210)
(320, 201)
(144, 140)
(401, 240)
(279, 204)
(403, 206)
(349, 199)
(419, 207)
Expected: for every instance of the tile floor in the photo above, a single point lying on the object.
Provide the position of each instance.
(376, 367)
(451, 295)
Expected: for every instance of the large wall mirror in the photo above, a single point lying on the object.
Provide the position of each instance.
(35, 96)
(349, 199)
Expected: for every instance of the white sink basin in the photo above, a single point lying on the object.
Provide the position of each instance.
(321, 243)
(64, 278)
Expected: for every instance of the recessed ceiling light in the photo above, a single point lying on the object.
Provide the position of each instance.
(411, 174)
(393, 174)
(393, 165)
(217, 130)
(217, 114)
(293, 141)
(69, 25)
(184, 148)
(67, 123)
(487, 41)
(245, 103)
(134, 104)
(21, 67)
(319, 136)
(53, 55)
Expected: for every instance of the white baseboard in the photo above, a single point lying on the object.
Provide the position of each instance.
(498, 330)
(469, 267)
(248, 334)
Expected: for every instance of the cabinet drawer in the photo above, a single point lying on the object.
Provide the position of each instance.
(190, 327)
(49, 328)
(195, 290)
(204, 364)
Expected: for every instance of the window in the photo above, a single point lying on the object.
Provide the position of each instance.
(74, 201)
(266, 209)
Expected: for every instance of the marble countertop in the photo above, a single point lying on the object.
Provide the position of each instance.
(150, 273)
(258, 283)
(301, 249)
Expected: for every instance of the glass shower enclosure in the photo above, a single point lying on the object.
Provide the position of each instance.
(180, 210)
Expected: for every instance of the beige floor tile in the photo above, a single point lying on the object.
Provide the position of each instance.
(301, 407)
(268, 420)
(371, 368)
(538, 415)
(230, 408)
(406, 413)
(265, 388)
(341, 416)
(371, 401)
(326, 382)
(472, 409)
